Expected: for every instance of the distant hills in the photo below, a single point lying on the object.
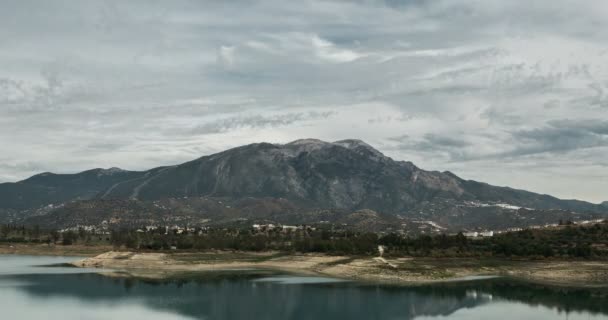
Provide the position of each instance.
(305, 181)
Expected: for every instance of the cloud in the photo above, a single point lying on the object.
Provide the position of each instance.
(490, 89)
(258, 122)
(561, 136)
(598, 127)
(557, 137)
(432, 141)
(225, 57)
(326, 50)
(450, 148)
(21, 166)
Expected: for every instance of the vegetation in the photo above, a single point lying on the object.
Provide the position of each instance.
(10, 233)
(565, 241)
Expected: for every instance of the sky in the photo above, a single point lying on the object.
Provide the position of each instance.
(513, 93)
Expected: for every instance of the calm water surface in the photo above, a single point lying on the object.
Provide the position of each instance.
(29, 291)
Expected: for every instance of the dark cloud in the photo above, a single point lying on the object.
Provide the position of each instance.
(501, 117)
(106, 146)
(452, 148)
(445, 141)
(557, 137)
(598, 127)
(258, 122)
(561, 136)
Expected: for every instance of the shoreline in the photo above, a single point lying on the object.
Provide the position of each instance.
(52, 250)
(390, 270)
(393, 271)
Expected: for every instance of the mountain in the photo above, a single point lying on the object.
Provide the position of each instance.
(345, 174)
(297, 179)
(47, 188)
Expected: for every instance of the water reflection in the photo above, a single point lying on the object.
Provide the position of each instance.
(243, 296)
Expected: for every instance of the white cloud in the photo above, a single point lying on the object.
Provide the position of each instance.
(326, 50)
(100, 84)
(225, 57)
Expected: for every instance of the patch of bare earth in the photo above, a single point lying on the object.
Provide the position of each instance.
(576, 273)
(393, 270)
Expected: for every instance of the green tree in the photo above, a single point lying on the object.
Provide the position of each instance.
(5, 230)
(69, 238)
(36, 232)
(55, 235)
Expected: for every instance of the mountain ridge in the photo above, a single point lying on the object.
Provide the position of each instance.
(310, 174)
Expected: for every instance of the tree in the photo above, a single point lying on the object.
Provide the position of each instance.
(69, 238)
(55, 235)
(36, 232)
(5, 230)
(131, 241)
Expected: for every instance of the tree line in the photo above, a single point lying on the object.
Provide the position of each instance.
(567, 241)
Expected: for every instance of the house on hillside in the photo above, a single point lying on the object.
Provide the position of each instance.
(481, 234)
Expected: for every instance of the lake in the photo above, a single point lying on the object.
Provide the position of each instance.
(30, 288)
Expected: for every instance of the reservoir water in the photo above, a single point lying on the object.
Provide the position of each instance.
(30, 288)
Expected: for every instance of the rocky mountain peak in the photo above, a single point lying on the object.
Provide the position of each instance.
(308, 145)
(352, 143)
(304, 145)
(110, 171)
(301, 142)
(359, 145)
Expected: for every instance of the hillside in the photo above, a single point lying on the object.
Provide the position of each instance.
(304, 176)
(345, 174)
(49, 188)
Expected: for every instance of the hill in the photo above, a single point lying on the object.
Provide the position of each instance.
(289, 182)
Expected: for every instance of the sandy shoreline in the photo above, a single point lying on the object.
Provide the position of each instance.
(400, 271)
(403, 271)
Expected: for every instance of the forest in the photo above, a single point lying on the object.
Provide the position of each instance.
(565, 241)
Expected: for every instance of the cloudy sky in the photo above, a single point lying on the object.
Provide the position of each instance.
(507, 92)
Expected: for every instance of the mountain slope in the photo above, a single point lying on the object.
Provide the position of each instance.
(345, 174)
(49, 188)
(309, 174)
